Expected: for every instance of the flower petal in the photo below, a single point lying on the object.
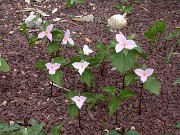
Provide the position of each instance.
(120, 38)
(56, 66)
(143, 78)
(119, 47)
(64, 41)
(41, 34)
(82, 98)
(85, 64)
(77, 65)
(75, 99)
(81, 70)
(139, 72)
(48, 65)
(49, 36)
(52, 71)
(149, 71)
(130, 44)
(49, 27)
(86, 50)
(67, 34)
(79, 104)
(71, 42)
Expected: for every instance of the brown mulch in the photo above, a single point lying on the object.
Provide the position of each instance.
(26, 89)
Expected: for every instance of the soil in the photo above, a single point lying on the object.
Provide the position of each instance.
(26, 89)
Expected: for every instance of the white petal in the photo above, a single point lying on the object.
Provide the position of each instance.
(149, 71)
(85, 64)
(77, 65)
(139, 72)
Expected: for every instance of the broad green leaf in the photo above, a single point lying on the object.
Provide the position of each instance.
(122, 62)
(79, 1)
(100, 97)
(32, 122)
(153, 85)
(33, 39)
(112, 133)
(56, 130)
(128, 8)
(177, 125)
(126, 94)
(71, 94)
(166, 60)
(131, 37)
(172, 35)
(40, 64)
(4, 67)
(91, 98)
(119, 6)
(112, 44)
(59, 60)
(73, 59)
(133, 132)
(161, 26)
(130, 78)
(68, 3)
(53, 46)
(23, 28)
(72, 111)
(113, 106)
(56, 78)
(111, 90)
(57, 34)
(87, 77)
(151, 34)
(94, 62)
(177, 81)
(35, 129)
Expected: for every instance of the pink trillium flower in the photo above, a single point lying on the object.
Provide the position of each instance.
(81, 66)
(52, 67)
(87, 50)
(67, 38)
(79, 100)
(124, 43)
(144, 74)
(46, 33)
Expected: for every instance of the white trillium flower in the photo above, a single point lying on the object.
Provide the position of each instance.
(81, 66)
(144, 74)
(30, 23)
(79, 100)
(52, 67)
(87, 50)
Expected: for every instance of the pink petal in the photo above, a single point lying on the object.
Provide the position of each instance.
(77, 65)
(130, 44)
(75, 99)
(81, 70)
(82, 98)
(52, 71)
(119, 47)
(79, 104)
(48, 65)
(139, 72)
(120, 38)
(49, 28)
(49, 36)
(67, 34)
(41, 34)
(70, 41)
(149, 71)
(85, 64)
(143, 78)
(56, 66)
(64, 41)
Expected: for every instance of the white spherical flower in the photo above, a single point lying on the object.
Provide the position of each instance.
(31, 21)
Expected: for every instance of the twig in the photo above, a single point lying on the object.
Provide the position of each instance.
(60, 87)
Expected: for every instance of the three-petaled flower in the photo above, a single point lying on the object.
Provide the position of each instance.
(124, 43)
(47, 32)
(67, 38)
(81, 66)
(144, 74)
(52, 67)
(87, 50)
(79, 100)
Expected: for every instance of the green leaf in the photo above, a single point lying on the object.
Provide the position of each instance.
(153, 85)
(4, 67)
(112, 44)
(151, 34)
(87, 77)
(56, 78)
(113, 132)
(177, 125)
(23, 28)
(35, 129)
(128, 8)
(131, 37)
(91, 98)
(133, 132)
(73, 59)
(122, 62)
(177, 81)
(101, 97)
(111, 90)
(166, 60)
(71, 94)
(72, 111)
(126, 94)
(80, 1)
(40, 64)
(174, 34)
(53, 46)
(161, 26)
(113, 105)
(33, 39)
(59, 60)
(57, 34)
(56, 130)
(118, 6)
(130, 78)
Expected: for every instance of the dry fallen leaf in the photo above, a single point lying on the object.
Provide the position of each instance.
(87, 18)
(54, 11)
(88, 40)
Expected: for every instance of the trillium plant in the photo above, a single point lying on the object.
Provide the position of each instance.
(121, 53)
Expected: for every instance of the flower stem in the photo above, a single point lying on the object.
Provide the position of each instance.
(102, 69)
(123, 86)
(79, 118)
(51, 92)
(140, 99)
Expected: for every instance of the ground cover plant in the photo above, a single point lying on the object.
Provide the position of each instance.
(93, 81)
